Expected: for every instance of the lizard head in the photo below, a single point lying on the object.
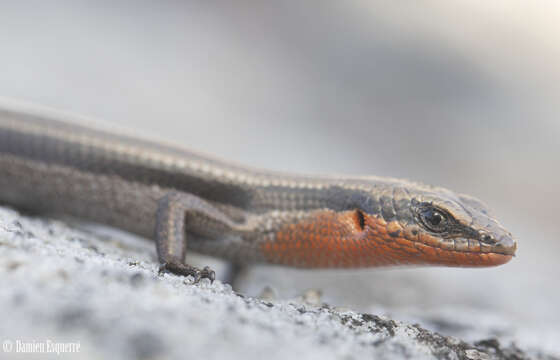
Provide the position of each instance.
(456, 227)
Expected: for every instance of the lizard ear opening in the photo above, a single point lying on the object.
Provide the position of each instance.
(359, 219)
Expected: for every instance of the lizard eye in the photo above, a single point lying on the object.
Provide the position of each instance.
(433, 219)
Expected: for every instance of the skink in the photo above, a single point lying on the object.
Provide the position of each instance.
(50, 163)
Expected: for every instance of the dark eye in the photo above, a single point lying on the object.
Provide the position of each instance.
(433, 219)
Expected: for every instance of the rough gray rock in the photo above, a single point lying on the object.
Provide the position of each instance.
(63, 283)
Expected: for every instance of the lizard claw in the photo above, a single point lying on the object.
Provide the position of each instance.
(208, 273)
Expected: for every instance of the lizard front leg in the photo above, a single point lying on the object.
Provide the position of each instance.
(176, 211)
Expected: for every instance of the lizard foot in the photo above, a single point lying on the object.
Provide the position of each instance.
(187, 270)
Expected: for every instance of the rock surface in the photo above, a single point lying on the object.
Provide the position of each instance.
(63, 283)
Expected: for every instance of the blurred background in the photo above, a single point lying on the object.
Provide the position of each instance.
(463, 95)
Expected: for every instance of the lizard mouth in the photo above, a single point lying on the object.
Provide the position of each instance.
(505, 246)
(464, 252)
(410, 245)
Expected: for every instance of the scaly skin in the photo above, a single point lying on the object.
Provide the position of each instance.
(185, 200)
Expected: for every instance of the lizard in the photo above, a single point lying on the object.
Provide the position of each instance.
(52, 162)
